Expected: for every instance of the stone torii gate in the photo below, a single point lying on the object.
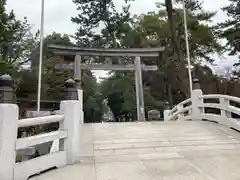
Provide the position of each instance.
(78, 52)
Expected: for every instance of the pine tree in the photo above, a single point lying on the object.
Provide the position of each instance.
(16, 40)
(7, 24)
(95, 15)
(231, 27)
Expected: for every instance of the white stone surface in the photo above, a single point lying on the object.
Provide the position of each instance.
(69, 144)
(196, 102)
(25, 169)
(55, 146)
(166, 115)
(71, 124)
(8, 137)
(45, 138)
(154, 151)
(80, 97)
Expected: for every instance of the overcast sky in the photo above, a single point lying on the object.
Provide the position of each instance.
(59, 12)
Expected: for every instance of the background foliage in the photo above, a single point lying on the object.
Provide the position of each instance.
(19, 54)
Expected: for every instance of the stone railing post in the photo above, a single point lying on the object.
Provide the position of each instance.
(73, 93)
(166, 115)
(180, 114)
(6, 90)
(8, 137)
(225, 104)
(80, 99)
(196, 101)
(78, 83)
(71, 110)
(71, 90)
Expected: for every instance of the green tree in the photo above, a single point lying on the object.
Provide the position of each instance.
(172, 26)
(100, 14)
(53, 76)
(120, 92)
(92, 98)
(195, 15)
(153, 30)
(27, 87)
(230, 29)
(54, 38)
(16, 41)
(115, 102)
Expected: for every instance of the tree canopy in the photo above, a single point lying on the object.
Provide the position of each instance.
(16, 41)
(101, 24)
(231, 28)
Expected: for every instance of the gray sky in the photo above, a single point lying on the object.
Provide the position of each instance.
(59, 12)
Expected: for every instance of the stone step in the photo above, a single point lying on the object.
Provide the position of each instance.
(161, 144)
(161, 139)
(172, 149)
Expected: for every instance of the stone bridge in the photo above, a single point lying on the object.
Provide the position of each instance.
(199, 139)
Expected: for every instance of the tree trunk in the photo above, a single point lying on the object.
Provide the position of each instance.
(177, 54)
(170, 95)
(175, 45)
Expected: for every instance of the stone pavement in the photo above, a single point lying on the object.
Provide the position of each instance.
(154, 151)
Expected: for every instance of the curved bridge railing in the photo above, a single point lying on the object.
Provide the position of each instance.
(222, 109)
(182, 111)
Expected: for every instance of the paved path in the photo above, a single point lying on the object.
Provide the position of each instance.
(154, 151)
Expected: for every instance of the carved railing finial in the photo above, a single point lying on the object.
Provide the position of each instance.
(71, 89)
(196, 84)
(6, 89)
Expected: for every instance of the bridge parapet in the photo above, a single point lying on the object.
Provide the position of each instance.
(182, 111)
(222, 109)
(218, 108)
(70, 122)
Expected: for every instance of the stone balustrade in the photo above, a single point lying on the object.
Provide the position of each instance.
(70, 121)
(218, 108)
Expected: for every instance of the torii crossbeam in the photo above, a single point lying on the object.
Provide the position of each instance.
(107, 52)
